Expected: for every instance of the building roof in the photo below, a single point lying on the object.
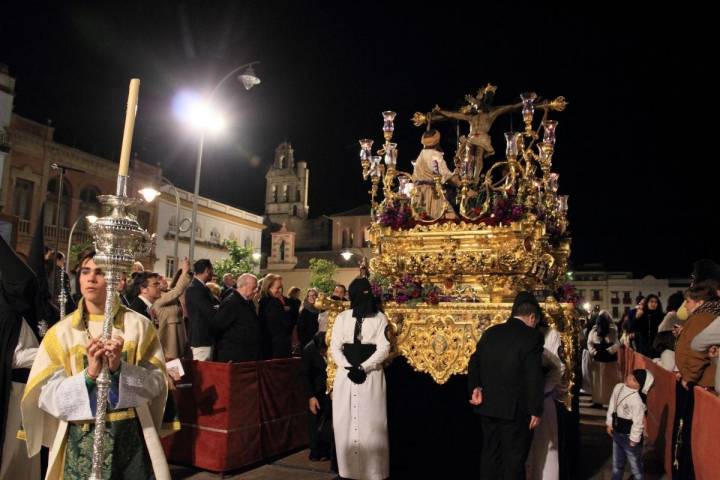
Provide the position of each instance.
(359, 211)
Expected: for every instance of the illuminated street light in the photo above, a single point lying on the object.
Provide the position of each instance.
(200, 114)
(347, 255)
(149, 194)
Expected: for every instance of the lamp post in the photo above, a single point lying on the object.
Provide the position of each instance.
(62, 297)
(150, 193)
(249, 80)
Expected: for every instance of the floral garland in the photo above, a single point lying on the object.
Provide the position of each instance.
(396, 215)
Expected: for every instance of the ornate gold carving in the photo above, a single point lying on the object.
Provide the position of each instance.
(439, 339)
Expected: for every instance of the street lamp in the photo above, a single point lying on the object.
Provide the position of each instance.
(62, 297)
(150, 194)
(201, 116)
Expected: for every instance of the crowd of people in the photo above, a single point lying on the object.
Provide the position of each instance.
(683, 339)
(515, 376)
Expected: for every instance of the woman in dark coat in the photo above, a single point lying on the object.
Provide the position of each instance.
(308, 322)
(645, 325)
(275, 318)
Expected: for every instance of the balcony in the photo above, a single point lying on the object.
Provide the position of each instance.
(50, 233)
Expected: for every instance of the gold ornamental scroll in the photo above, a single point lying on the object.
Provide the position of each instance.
(439, 339)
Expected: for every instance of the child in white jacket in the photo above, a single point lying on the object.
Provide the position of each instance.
(626, 422)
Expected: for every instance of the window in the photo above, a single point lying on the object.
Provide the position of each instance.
(345, 239)
(170, 265)
(247, 243)
(615, 298)
(282, 251)
(596, 296)
(626, 298)
(297, 195)
(22, 198)
(281, 161)
(285, 193)
(215, 235)
(615, 312)
(89, 204)
(144, 219)
(352, 239)
(274, 193)
(52, 203)
(294, 210)
(581, 294)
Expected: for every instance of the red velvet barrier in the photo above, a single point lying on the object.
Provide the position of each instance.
(706, 423)
(239, 414)
(283, 407)
(661, 414)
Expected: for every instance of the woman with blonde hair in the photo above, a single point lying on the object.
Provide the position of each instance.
(275, 318)
(308, 324)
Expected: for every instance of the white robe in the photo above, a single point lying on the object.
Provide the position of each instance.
(543, 461)
(360, 411)
(15, 463)
(56, 393)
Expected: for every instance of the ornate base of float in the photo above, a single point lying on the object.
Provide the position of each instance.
(482, 263)
(439, 339)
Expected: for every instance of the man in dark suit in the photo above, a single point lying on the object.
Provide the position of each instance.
(228, 286)
(146, 288)
(201, 308)
(236, 326)
(315, 370)
(505, 380)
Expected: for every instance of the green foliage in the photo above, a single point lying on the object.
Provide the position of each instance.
(76, 249)
(321, 275)
(239, 260)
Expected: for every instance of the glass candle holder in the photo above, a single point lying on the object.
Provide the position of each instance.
(549, 127)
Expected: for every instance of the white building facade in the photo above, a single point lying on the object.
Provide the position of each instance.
(216, 222)
(616, 292)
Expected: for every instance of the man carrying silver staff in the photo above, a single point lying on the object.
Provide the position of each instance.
(60, 400)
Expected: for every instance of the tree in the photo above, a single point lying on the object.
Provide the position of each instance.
(321, 275)
(75, 250)
(239, 260)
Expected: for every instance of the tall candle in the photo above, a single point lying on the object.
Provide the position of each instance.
(129, 126)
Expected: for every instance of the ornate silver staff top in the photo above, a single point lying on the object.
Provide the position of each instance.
(117, 237)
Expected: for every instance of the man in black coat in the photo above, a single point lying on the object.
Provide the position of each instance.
(236, 326)
(201, 308)
(146, 288)
(315, 371)
(505, 380)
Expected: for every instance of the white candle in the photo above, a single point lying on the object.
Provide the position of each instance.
(129, 126)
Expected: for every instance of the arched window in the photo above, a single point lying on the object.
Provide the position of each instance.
(215, 235)
(274, 193)
(52, 202)
(281, 162)
(294, 210)
(285, 193)
(89, 204)
(282, 251)
(345, 239)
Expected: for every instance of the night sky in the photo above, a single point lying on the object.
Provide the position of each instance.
(636, 146)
